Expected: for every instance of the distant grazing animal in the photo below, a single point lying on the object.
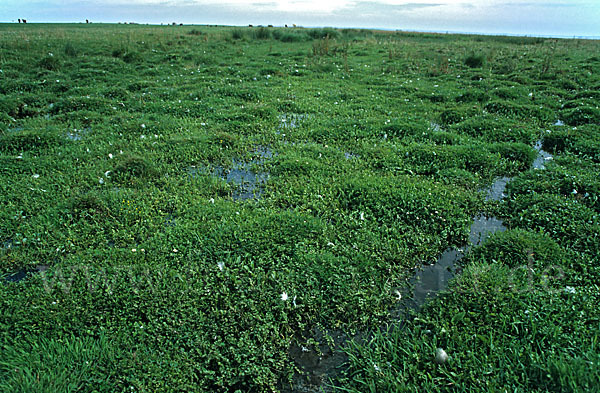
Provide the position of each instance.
(19, 20)
(87, 21)
(24, 21)
(250, 26)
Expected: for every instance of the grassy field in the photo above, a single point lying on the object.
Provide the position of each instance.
(181, 205)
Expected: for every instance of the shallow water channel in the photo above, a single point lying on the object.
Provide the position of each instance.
(427, 281)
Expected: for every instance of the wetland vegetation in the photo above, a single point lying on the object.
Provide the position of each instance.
(199, 208)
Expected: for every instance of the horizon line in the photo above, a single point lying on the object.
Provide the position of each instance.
(449, 32)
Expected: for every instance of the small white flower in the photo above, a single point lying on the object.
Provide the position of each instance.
(362, 216)
(143, 125)
(36, 176)
(110, 156)
(376, 367)
(530, 94)
(284, 296)
(101, 181)
(133, 250)
(398, 295)
(143, 136)
(570, 290)
(330, 244)
(174, 250)
(20, 156)
(221, 266)
(106, 174)
(574, 192)
(304, 349)
(212, 200)
(440, 356)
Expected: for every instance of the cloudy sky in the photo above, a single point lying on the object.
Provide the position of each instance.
(525, 17)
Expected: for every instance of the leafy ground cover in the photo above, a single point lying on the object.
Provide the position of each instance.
(199, 199)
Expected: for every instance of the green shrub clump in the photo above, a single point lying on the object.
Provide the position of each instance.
(475, 60)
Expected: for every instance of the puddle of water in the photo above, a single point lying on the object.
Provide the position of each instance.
(263, 152)
(543, 156)
(435, 126)
(290, 121)
(249, 183)
(318, 366)
(23, 273)
(483, 227)
(496, 191)
(430, 279)
(77, 135)
(73, 136)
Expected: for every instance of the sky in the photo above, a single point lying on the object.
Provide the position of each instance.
(562, 18)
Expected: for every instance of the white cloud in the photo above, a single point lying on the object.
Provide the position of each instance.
(547, 17)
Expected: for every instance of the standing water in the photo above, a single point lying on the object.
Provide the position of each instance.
(427, 281)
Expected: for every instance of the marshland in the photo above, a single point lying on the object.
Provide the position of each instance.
(227, 209)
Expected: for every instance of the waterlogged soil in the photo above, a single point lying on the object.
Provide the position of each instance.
(290, 121)
(317, 367)
(248, 182)
(99, 127)
(24, 273)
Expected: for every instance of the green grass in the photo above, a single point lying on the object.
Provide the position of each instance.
(119, 151)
